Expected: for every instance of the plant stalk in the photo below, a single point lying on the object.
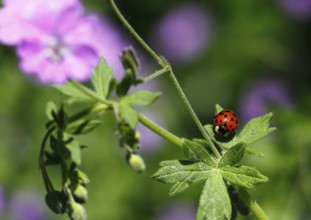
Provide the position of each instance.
(193, 115)
(160, 131)
(134, 33)
(155, 74)
(167, 66)
(255, 208)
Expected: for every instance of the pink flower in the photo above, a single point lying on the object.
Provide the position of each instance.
(56, 40)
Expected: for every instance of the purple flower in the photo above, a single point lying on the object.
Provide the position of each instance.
(178, 211)
(26, 206)
(298, 9)
(183, 33)
(263, 94)
(56, 40)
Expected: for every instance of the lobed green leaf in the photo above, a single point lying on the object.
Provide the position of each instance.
(50, 109)
(128, 114)
(82, 126)
(56, 201)
(73, 148)
(244, 176)
(75, 94)
(255, 129)
(209, 129)
(181, 173)
(214, 201)
(233, 155)
(101, 78)
(196, 151)
(141, 97)
(218, 109)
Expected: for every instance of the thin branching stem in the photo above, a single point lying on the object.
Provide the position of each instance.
(134, 33)
(193, 115)
(155, 74)
(166, 66)
(253, 205)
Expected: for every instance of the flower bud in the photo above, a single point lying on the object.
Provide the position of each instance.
(136, 162)
(76, 211)
(80, 193)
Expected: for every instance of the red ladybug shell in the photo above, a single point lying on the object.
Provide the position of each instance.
(225, 123)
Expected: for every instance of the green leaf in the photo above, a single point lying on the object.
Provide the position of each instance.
(82, 126)
(74, 149)
(69, 89)
(128, 114)
(141, 97)
(125, 84)
(209, 129)
(101, 78)
(196, 151)
(233, 155)
(52, 158)
(252, 131)
(56, 201)
(50, 110)
(256, 129)
(254, 152)
(218, 109)
(244, 176)
(129, 61)
(214, 201)
(181, 173)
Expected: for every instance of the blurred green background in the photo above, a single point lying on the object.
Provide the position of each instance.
(250, 46)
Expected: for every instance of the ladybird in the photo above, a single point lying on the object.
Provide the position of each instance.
(225, 123)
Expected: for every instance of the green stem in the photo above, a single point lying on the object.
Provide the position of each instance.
(155, 74)
(133, 32)
(47, 182)
(255, 208)
(193, 115)
(167, 66)
(160, 131)
(258, 211)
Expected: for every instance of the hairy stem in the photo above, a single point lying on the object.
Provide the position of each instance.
(155, 74)
(193, 115)
(47, 182)
(258, 211)
(253, 205)
(160, 131)
(167, 66)
(134, 33)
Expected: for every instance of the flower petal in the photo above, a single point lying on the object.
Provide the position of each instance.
(53, 73)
